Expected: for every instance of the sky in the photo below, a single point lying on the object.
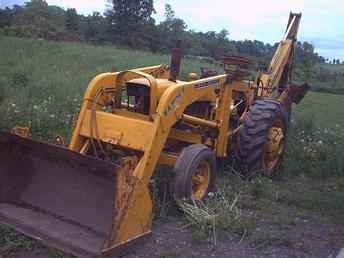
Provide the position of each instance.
(247, 19)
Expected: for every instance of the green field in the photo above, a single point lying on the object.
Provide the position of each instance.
(324, 109)
(42, 83)
(333, 68)
(41, 86)
(328, 78)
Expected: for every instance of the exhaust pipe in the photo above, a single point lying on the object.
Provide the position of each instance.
(176, 60)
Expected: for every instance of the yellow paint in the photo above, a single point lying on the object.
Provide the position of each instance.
(275, 145)
(200, 181)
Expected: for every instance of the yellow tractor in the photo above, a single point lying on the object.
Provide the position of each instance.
(92, 199)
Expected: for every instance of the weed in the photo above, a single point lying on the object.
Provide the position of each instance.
(20, 79)
(11, 241)
(314, 151)
(220, 214)
(263, 187)
(160, 189)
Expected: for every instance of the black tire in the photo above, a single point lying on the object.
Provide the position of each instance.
(185, 168)
(253, 136)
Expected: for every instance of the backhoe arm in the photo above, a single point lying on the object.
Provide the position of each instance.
(274, 81)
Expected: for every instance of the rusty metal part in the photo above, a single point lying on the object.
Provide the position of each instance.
(236, 60)
(236, 67)
(133, 207)
(176, 60)
(297, 93)
(56, 195)
(294, 94)
(21, 131)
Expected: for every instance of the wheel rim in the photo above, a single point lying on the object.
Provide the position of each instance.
(200, 180)
(274, 147)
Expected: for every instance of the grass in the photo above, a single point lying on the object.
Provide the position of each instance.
(333, 68)
(324, 110)
(41, 85)
(220, 215)
(11, 242)
(325, 78)
(42, 82)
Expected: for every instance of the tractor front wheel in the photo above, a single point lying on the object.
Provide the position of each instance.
(194, 173)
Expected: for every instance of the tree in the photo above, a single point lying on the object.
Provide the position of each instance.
(5, 17)
(171, 29)
(72, 21)
(169, 12)
(129, 19)
(34, 19)
(95, 28)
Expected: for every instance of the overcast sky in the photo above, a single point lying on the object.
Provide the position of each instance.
(245, 19)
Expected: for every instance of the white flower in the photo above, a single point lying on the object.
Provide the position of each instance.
(13, 105)
(52, 116)
(211, 194)
(35, 107)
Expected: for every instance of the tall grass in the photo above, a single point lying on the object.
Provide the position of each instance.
(42, 82)
(314, 150)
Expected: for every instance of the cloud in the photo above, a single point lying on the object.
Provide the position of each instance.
(84, 7)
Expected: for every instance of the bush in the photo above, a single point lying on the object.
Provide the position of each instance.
(314, 151)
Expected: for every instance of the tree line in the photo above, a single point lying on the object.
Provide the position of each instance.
(130, 23)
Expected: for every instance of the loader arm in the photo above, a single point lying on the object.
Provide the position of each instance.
(273, 82)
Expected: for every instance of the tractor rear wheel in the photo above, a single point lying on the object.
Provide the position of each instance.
(194, 172)
(262, 138)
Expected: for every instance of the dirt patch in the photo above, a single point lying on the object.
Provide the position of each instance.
(307, 238)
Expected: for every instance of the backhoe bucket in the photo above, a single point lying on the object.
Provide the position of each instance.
(79, 204)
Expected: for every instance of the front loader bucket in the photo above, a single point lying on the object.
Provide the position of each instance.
(68, 200)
